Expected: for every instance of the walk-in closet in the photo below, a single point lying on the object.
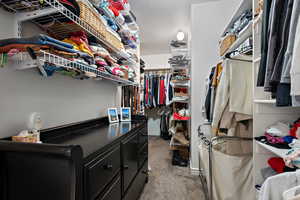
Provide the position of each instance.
(149, 100)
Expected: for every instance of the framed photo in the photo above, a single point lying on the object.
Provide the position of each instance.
(113, 115)
(126, 114)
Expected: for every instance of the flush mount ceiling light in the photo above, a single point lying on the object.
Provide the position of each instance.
(180, 35)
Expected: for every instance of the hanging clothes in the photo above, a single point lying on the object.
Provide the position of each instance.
(278, 45)
(158, 90)
(264, 43)
(233, 97)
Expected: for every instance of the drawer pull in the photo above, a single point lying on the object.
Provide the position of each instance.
(108, 166)
(126, 167)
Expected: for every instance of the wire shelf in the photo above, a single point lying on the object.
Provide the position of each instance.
(57, 19)
(68, 64)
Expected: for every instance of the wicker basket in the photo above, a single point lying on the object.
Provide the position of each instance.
(113, 40)
(226, 43)
(92, 18)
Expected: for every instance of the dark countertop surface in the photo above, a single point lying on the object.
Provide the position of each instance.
(93, 139)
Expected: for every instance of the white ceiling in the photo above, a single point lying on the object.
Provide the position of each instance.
(160, 20)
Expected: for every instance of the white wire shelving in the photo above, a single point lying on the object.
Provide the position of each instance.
(62, 62)
(45, 57)
(54, 12)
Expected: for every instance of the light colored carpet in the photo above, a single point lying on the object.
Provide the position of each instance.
(168, 182)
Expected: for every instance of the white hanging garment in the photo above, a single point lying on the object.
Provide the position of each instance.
(274, 186)
(241, 80)
(292, 194)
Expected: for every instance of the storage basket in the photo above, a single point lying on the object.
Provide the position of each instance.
(226, 43)
(113, 40)
(89, 15)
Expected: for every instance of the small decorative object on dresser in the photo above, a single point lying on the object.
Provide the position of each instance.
(113, 115)
(125, 114)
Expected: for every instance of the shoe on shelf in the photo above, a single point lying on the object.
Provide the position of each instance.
(179, 136)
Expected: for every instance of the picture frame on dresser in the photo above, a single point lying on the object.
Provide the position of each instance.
(125, 114)
(113, 115)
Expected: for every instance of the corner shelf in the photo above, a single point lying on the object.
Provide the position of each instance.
(279, 152)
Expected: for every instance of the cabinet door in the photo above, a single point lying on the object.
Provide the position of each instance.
(130, 160)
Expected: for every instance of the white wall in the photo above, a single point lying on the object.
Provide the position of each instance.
(157, 60)
(59, 99)
(208, 23)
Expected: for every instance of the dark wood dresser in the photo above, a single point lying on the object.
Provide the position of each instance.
(91, 160)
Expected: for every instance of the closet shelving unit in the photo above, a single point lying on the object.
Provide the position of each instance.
(184, 84)
(54, 11)
(243, 6)
(265, 113)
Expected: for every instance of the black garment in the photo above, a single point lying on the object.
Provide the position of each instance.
(164, 126)
(171, 91)
(283, 97)
(264, 43)
(276, 75)
(209, 95)
(277, 19)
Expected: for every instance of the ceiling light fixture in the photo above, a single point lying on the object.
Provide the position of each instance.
(180, 35)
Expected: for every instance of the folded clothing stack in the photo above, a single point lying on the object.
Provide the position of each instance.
(179, 60)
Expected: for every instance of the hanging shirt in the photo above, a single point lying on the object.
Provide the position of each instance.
(162, 93)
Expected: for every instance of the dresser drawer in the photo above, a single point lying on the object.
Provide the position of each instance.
(130, 160)
(143, 155)
(143, 136)
(101, 172)
(137, 186)
(114, 191)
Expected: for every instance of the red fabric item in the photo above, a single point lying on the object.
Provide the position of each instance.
(176, 116)
(294, 129)
(162, 94)
(147, 92)
(80, 37)
(114, 10)
(117, 4)
(277, 164)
